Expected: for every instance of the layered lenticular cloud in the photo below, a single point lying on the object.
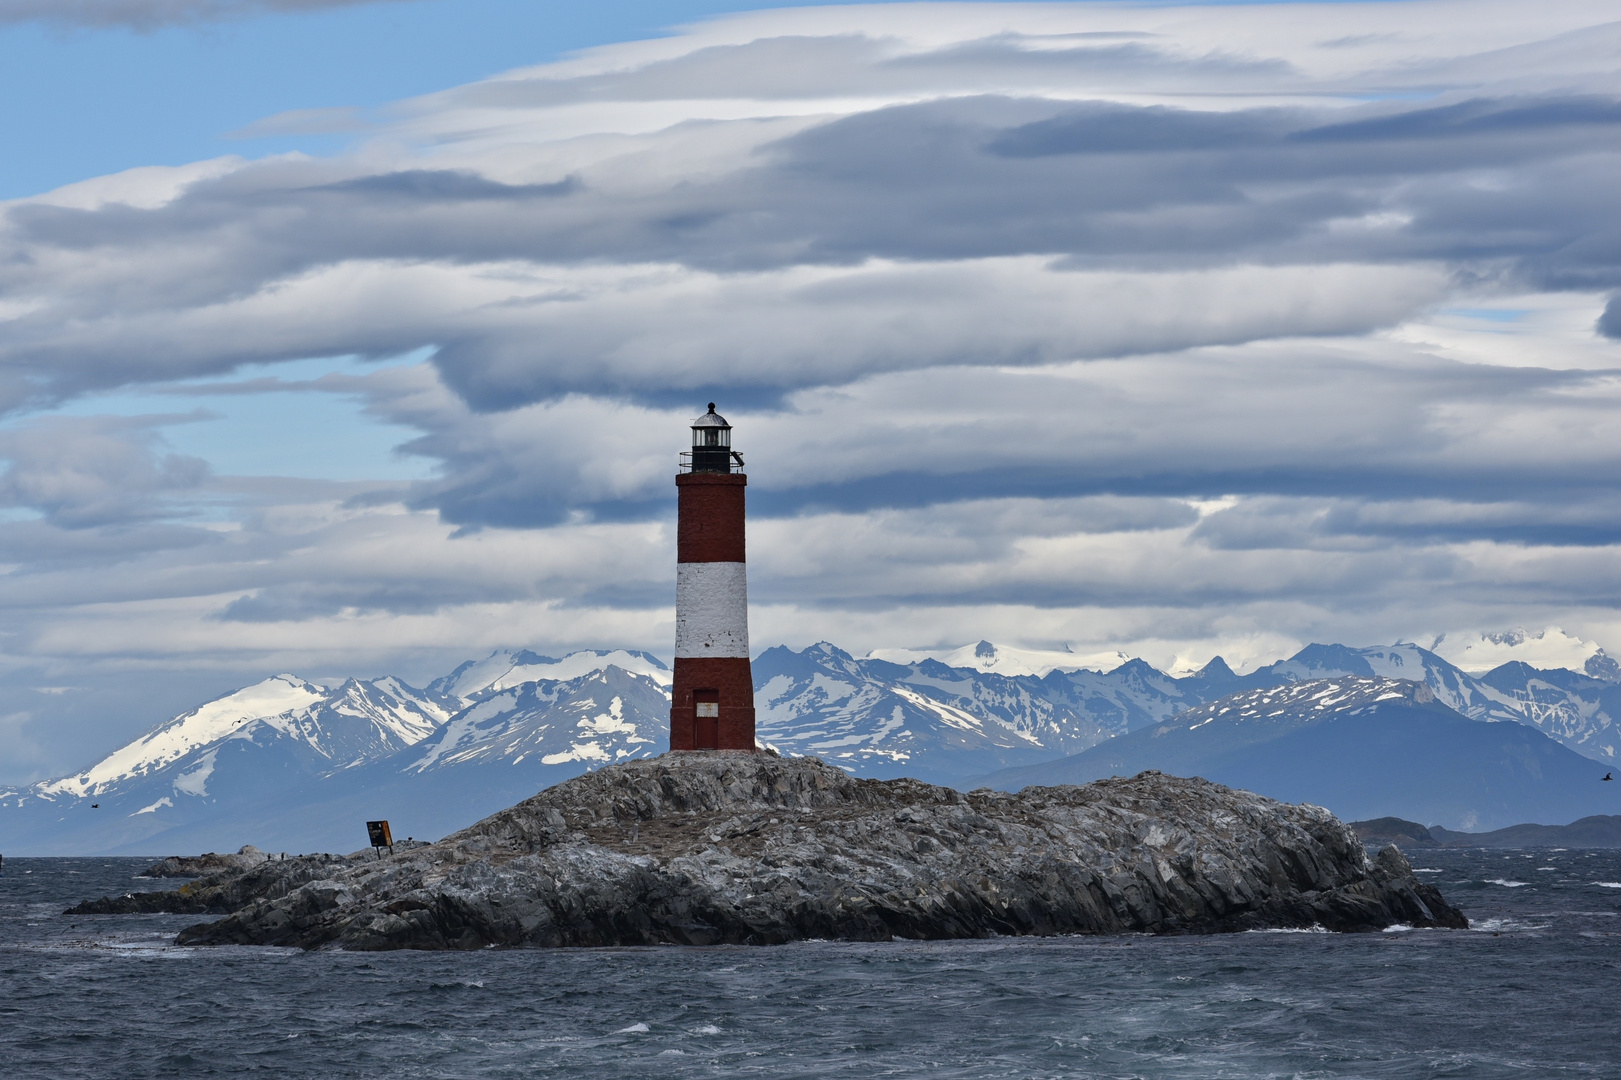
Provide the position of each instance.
(1178, 330)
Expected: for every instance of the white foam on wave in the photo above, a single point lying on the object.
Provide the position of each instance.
(1498, 926)
(1426, 870)
(1608, 884)
(1291, 930)
(706, 1029)
(1505, 883)
(634, 1029)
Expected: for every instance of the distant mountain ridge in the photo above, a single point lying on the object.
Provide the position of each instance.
(1594, 831)
(501, 670)
(946, 724)
(1578, 709)
(1361, 746)
(337, 728)
(290, 762)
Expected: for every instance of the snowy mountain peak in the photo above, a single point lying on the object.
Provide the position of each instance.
(1550, 647)
(1601, 665)
(361, 719)
(991, 658)
(505, 668)
(172, 740)
(597, 717)
(1310, 699)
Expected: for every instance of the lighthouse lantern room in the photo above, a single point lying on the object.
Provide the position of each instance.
(712, 705)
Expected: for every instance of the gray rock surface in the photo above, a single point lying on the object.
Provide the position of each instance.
(244, 858)
(705, 848)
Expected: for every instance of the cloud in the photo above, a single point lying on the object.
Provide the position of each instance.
(82, 472)
(826, 229)
(151, 14)
(1609, 323)
(1363, 420)
(1172, 330)
(322, 121)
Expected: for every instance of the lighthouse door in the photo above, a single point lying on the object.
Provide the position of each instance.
(706, 721)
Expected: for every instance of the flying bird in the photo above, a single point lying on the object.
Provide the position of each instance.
(1607, 776)
(95, 806)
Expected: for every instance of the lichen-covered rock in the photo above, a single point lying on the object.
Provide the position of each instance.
(703, 848)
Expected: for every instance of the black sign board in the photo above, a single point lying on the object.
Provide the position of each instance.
(380, 836)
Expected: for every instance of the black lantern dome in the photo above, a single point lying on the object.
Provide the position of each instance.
(712, 444)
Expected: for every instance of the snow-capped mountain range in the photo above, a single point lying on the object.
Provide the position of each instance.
(288, 763)
(343, 727)
(944, 724)
(949, 724)
(1363, 747)
(282, 759)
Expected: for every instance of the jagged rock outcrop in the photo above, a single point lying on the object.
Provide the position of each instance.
(704, 848)
(224, 891)
(244, 858)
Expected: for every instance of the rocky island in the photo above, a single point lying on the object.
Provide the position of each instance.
(715, 847)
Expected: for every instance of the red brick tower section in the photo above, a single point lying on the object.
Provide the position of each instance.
(713, 697)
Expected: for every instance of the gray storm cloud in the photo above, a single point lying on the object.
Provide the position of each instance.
(1143, 327)
(1609, 323)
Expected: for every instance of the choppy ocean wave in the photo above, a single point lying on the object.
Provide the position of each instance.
(1526, 994)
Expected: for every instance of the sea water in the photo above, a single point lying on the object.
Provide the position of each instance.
(1532, 990)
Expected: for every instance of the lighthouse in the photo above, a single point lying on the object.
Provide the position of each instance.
(712, 707)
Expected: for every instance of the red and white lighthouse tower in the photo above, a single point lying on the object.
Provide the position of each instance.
(713, 703)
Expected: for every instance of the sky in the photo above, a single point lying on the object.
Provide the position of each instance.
(361, 338)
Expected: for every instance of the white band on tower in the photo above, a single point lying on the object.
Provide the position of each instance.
(712, 609)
